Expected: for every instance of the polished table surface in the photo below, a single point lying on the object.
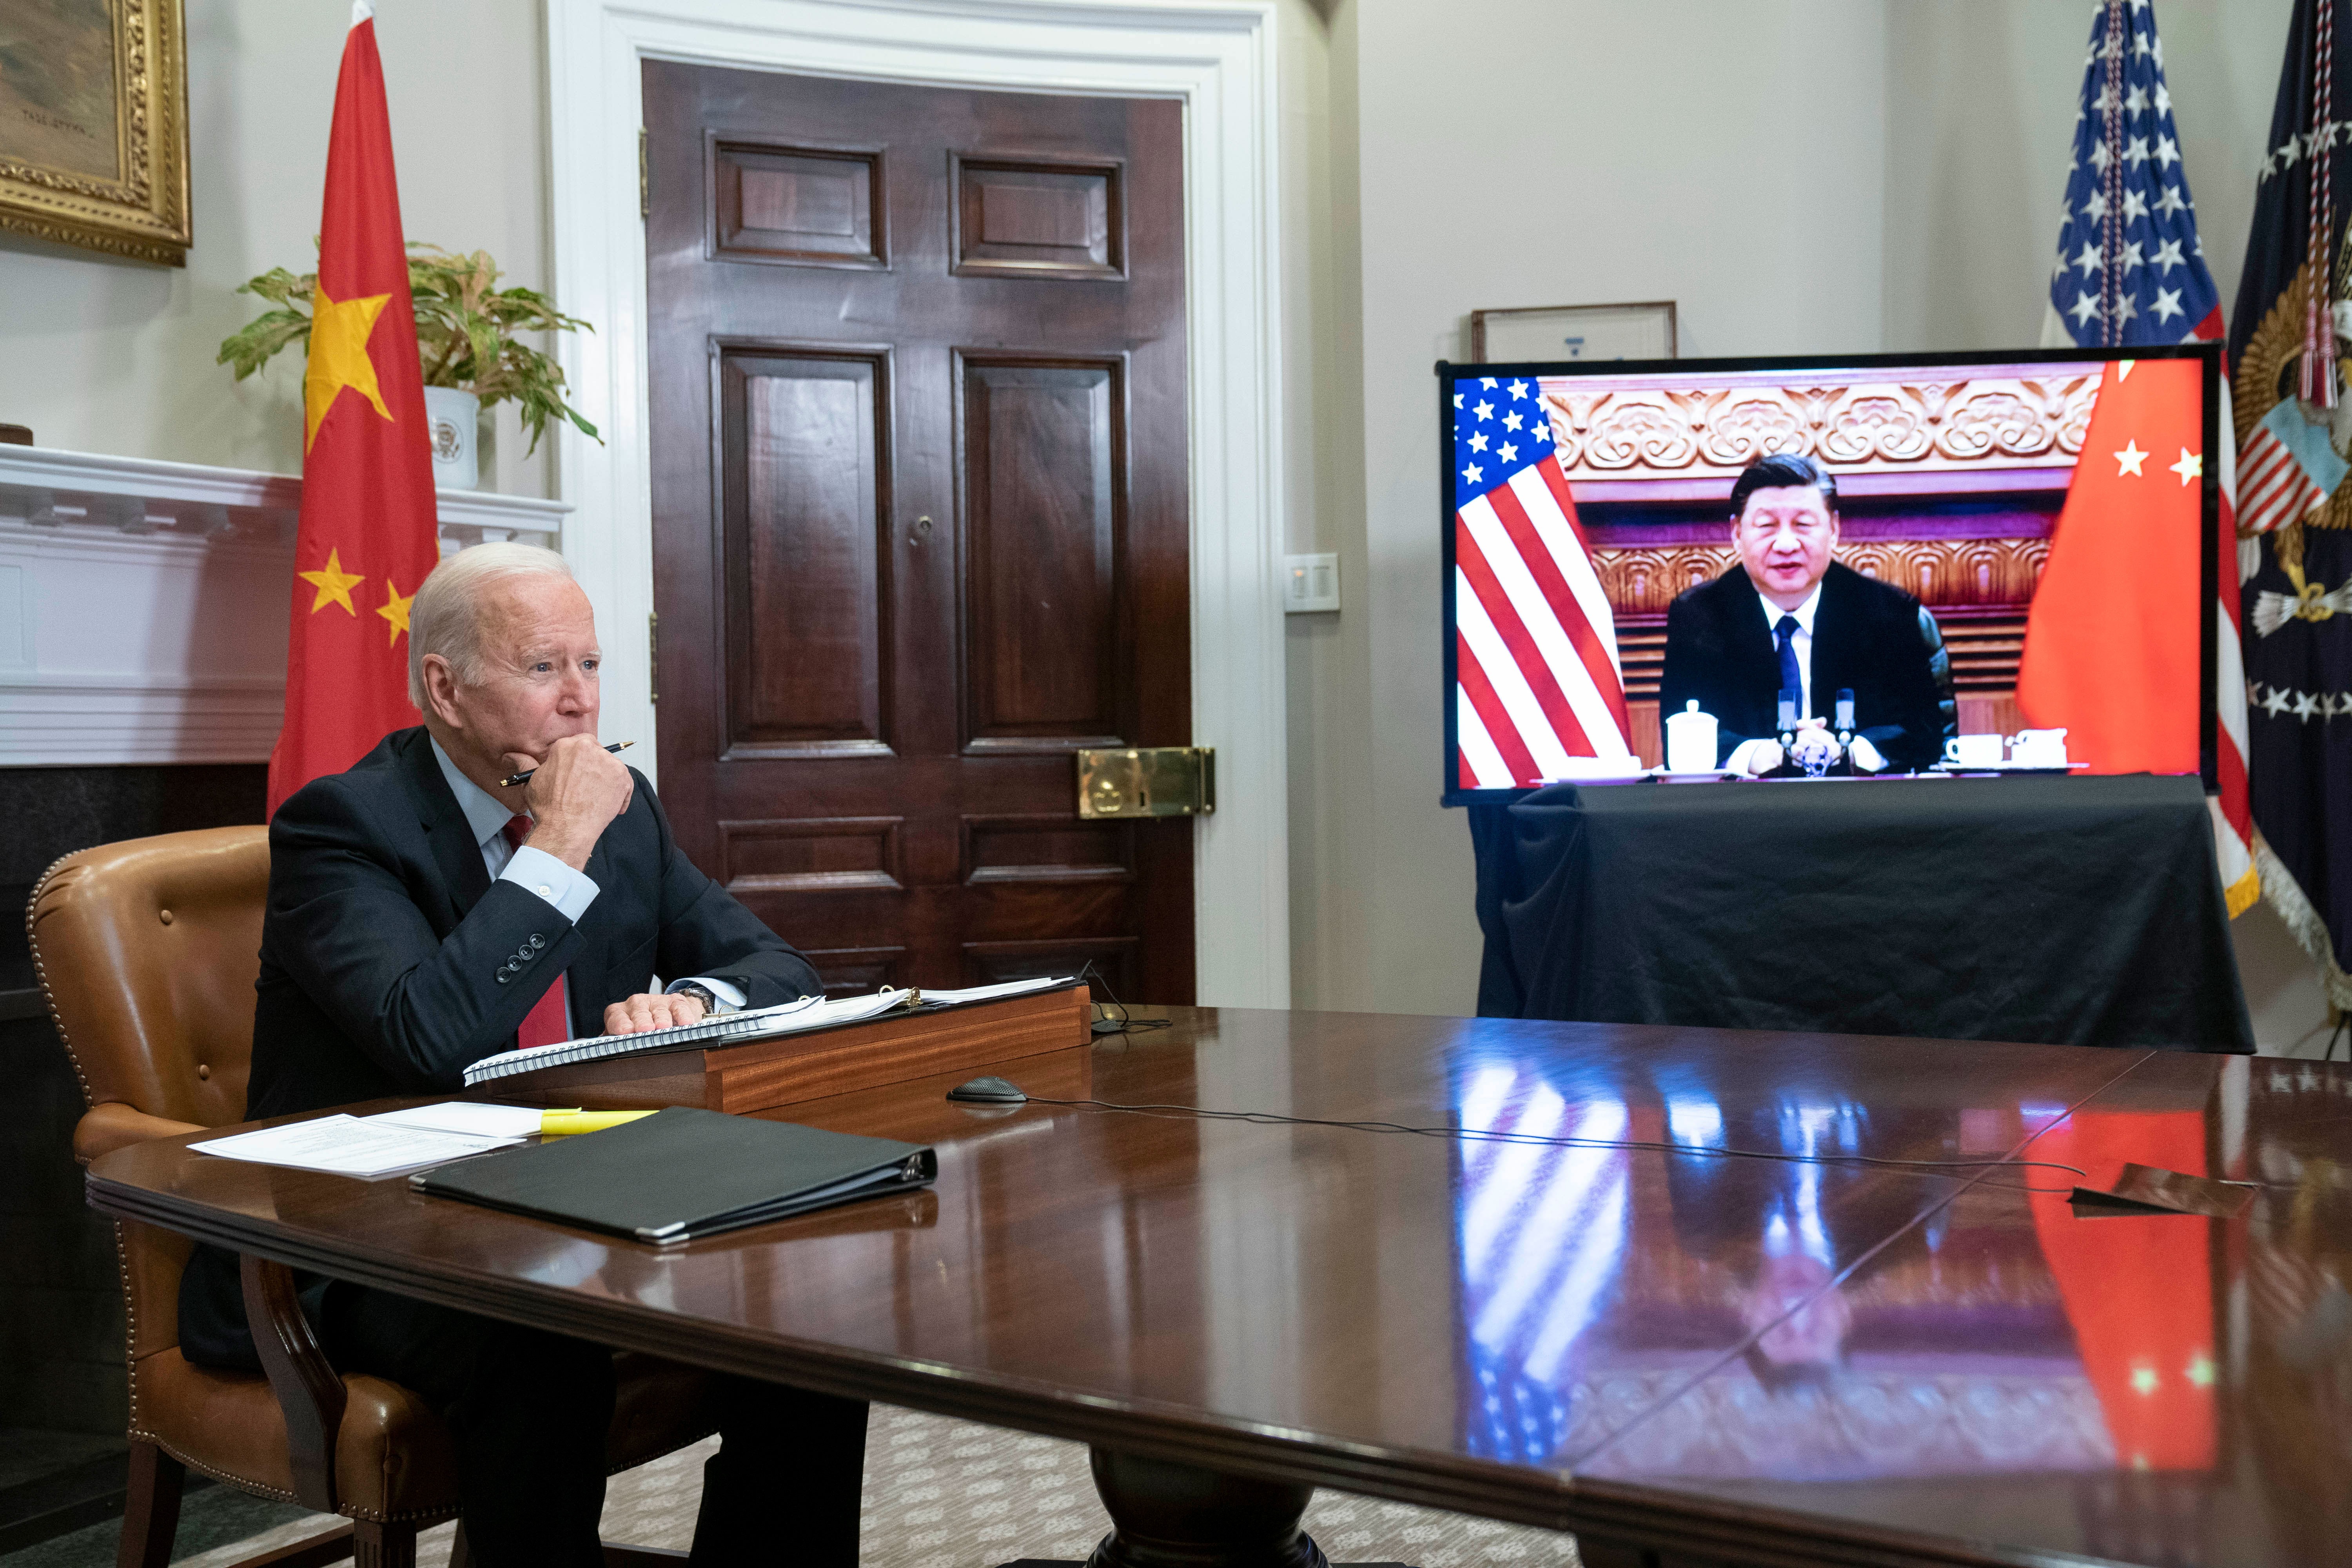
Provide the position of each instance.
(1707, 1358)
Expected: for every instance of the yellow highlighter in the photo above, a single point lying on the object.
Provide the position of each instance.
(564, 1124)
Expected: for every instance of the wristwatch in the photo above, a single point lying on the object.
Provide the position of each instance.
(712, 1007)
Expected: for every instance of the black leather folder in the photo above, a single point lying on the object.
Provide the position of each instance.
(681, 1174)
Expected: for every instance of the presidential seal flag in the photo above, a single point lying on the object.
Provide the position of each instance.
(2130, 270)
(368, 532)
(2293, 428)
(1537, 679)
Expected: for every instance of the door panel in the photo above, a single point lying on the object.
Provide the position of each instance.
(920, 490)
(798, 205)
(806, 615)
(1032, 218)
(1042, 498)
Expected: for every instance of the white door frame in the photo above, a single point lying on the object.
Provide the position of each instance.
(1217, 56)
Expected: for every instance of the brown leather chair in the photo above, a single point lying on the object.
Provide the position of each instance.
(147, 952)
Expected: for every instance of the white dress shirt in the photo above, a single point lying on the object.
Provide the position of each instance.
(569, 890)
(1800, 642)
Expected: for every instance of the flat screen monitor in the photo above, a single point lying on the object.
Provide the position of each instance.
(2013, 542)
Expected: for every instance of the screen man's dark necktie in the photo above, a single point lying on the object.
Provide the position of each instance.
(1792, 679)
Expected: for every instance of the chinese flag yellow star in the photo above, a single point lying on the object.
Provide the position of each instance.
(394, 609)
(335, 586)
(338, 357)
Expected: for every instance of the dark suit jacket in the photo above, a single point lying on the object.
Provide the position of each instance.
(1867, 635)
(383, 947)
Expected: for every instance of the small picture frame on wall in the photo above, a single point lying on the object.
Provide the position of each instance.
(1643, 329)
(94, 125)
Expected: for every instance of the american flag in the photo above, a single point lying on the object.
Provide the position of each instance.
(1536, 677)
(2131, 270)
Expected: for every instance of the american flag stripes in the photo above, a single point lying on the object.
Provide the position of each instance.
(2288, 467)
(1537, 679)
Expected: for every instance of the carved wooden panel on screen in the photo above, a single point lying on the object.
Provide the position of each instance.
(920, 500)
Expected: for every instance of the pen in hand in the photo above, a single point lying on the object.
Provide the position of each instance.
(524, 777)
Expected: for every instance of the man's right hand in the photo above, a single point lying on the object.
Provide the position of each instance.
(574, 792)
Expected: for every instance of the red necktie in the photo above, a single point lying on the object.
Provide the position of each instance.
(543, 1026)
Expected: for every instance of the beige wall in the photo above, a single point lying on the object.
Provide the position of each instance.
(116, 357)
(1978, 141)
(1610, 151)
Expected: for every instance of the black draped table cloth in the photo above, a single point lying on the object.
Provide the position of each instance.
(2056, 911)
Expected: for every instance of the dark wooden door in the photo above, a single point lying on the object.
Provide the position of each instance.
(920, 516)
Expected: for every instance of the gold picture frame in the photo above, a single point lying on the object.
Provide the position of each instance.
(94, 125)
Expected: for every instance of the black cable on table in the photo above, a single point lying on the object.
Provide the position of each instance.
(1272, 1119)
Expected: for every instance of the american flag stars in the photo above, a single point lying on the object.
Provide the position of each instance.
(2129, 268)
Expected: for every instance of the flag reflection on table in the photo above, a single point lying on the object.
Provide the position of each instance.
(1541, 1235)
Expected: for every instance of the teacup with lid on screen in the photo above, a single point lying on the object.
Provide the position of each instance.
(2038, 748)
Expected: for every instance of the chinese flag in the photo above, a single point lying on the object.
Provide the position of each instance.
(369, 533)
(2112, 642)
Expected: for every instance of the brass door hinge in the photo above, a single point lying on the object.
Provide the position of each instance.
(1152, 780)
(652, 656)
(645, 179)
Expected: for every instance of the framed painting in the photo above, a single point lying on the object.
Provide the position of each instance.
(1549, 333)
(94, 125)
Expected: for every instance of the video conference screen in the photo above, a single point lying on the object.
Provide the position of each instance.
(1951, 564)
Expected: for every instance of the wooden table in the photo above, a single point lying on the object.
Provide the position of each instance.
(1686, 1359)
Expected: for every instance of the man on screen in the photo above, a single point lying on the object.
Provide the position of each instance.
(1789, 618)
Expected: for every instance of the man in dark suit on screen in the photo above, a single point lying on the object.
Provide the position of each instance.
(424, 914)
(1789, 617)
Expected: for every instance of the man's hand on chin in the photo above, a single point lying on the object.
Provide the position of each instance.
(651, 1010)
(574, 792)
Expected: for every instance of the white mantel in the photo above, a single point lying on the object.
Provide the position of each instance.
(143, 604)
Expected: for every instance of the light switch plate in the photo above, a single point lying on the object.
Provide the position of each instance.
(1311, 582)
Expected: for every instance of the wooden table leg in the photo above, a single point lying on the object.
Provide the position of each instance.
(1167, 1515)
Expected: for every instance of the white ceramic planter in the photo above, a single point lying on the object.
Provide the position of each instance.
(453, 419)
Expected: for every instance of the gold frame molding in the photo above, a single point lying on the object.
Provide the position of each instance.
(144, 212)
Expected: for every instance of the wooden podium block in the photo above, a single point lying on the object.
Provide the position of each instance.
(761, 1075)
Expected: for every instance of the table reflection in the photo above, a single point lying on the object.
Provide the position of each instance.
(1804, 1344)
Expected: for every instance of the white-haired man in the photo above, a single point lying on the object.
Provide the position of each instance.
(425, 914)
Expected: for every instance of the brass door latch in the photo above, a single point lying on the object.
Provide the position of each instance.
(1152, 781)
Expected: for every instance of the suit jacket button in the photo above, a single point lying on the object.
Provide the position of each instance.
(504, 978)
(538, 941)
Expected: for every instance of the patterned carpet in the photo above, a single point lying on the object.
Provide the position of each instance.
(949, 1494)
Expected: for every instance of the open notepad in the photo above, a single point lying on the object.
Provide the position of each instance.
(807, 1015)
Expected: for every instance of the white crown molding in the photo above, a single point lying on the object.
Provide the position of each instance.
(143, 604)
(1218, 58)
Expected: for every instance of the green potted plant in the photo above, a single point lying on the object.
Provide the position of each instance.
(467, 331)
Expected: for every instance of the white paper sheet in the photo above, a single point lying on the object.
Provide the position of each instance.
(464, 1116)
(1004, 988)
(348, 1146)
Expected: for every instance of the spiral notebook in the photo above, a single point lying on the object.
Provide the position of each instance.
(805, 1015)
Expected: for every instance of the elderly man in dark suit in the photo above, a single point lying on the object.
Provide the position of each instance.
(1788, 617)
(425, 914)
